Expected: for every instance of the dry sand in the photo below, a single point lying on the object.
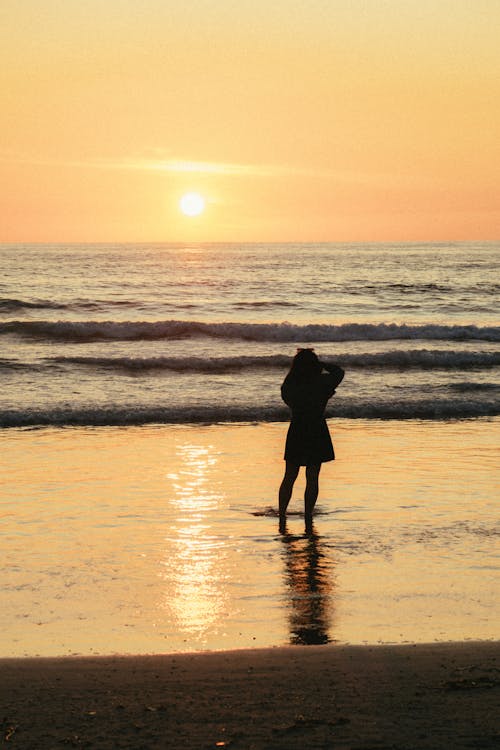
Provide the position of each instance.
(357, 697)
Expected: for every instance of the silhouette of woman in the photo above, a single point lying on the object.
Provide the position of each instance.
(306, 390)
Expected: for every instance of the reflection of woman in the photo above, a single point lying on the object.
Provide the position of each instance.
(306, 389)
(307, 576)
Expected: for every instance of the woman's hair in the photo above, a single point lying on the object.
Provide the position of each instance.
(305, 366)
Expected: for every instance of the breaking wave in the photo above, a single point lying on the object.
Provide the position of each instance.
(435, 409)
(419, 358)
(283, 332)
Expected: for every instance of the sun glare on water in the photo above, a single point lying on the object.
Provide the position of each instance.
(192, 204)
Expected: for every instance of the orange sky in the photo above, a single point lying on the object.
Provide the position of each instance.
(296, 119)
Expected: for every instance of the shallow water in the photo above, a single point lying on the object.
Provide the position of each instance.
(165, 538)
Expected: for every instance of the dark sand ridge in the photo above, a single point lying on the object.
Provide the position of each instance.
(342, 697)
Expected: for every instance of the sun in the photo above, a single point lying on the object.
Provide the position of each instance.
(192, 204)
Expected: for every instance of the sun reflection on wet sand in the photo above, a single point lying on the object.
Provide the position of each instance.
(194, 555)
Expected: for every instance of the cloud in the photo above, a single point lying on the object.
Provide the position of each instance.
(232, 169)
(156, 162)
(170, 166)
(227, 169)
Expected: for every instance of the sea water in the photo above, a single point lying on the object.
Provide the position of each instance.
(138, 334)
(143, 437)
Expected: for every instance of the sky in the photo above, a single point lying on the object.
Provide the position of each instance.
(295, 120)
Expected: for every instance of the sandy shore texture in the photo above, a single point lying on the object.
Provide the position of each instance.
(350, 697)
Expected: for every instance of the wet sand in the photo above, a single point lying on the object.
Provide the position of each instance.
(357, 697)
(154, 540)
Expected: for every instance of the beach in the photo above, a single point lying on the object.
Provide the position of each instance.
(149, 596)
(162, 542)
(351, 697)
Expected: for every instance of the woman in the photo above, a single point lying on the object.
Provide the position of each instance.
(306, 389)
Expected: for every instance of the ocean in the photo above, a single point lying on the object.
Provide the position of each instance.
(155, 334)
(142, 435)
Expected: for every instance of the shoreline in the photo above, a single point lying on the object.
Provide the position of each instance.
(433, 696)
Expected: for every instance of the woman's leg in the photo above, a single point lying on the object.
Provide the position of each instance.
(312, 489)
(286, 487)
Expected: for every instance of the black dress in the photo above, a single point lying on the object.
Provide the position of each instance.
(308, 440)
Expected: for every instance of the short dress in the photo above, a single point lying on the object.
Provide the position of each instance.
(308, 440)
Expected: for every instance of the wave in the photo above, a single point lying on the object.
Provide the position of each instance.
(420, 358)
(180, 364)
(435, 409)
(8, 304)
(466, 387)
(263, 304)
(485, 287)
(7, 365)
(84, 331)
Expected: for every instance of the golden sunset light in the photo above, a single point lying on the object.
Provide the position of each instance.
(311, 121)
(250, 394)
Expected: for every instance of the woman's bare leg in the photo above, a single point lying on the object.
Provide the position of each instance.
(311, 492)
(286, 487)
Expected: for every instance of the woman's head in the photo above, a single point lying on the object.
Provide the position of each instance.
(305, 365)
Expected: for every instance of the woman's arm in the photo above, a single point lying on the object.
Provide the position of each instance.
(335, 371)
